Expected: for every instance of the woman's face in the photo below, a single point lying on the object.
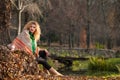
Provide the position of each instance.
(32, 28)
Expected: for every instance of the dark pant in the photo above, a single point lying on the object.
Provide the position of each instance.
(42, 59)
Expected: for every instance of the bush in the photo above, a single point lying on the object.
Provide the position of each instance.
(99, 64)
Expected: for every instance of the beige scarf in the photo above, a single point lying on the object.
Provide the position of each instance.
(23, 42)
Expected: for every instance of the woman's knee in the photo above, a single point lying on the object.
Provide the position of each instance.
(43, 54)
(41, 60)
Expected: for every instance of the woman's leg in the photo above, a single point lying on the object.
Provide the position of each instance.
(54, 72)
(43, 60)
(48, 67)
(43, 54)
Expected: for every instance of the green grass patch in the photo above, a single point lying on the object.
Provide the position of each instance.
(78, 65)
(102, 67)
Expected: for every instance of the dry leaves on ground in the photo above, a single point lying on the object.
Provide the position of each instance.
(18, 65)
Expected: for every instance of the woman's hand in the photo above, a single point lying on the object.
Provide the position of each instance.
(11, 47)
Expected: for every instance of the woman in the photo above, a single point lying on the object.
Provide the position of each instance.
(27, 41)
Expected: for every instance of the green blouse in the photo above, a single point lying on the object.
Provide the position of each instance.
(32, 42)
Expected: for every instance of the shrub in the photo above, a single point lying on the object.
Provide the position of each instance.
(99, 64)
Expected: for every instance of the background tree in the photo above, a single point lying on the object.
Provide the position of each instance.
(116, 24)
(22, 5)
(5, 10)
(65, 22)
(66, 13)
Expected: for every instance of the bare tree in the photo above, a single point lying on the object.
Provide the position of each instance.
(22, 5)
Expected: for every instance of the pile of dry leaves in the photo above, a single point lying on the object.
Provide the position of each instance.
(18, 65)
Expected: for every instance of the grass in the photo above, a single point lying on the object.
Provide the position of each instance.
(102, 73)
(78, 66)
(101, 67)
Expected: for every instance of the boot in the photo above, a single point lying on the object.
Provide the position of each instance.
(54, 72)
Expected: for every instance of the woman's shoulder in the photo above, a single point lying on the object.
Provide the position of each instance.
(25, 32)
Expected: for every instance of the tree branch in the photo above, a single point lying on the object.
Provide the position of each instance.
(14, 4)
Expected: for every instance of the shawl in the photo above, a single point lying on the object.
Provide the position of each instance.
(23, 42)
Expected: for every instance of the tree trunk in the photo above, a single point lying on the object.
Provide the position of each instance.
(5, 8)
(19, 23)
(69, 41)
(88, 26)
(61, 39)
(83, 38)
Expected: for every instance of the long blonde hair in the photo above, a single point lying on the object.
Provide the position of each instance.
(38, 30)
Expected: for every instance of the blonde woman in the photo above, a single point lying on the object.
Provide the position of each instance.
(27, 41)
